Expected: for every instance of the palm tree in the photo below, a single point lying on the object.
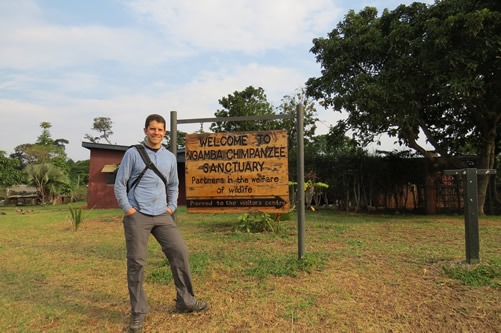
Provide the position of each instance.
(48, 179)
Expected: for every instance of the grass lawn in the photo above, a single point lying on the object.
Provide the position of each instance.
(361, 273)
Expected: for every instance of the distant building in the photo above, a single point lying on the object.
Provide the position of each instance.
(21, 195)
(103, 165)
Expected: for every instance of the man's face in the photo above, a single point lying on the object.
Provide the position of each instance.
(154, 134)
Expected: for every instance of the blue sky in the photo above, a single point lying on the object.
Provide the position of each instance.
(67, 62)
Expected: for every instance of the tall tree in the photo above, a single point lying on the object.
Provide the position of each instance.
(103, 125)
(249, 102)
(46, 137)
(44, 150)
(432, 70)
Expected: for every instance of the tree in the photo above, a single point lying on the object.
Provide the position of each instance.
(103, 125)
(45, 138)
(44, 150)
(180, 139)
(288, 107)
(432, 70)
(249, 102)
(337, 160)
(9, 172)
(79, 172)
(48, 179)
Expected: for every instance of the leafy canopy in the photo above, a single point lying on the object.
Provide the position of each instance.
(253, 102)
(430, 70)
(48, 179)
(418, 70)
(249, 102)
(9, 173)
(44, 150)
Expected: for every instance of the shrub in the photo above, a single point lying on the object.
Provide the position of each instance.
(76, 217)
(259, 222)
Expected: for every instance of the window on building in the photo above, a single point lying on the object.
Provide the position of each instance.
(111, 173)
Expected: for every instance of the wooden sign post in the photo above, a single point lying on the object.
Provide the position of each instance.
(237, 172)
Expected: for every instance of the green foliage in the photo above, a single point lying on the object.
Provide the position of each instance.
(79, 177)
(45, 138)
(388, 62)
(180, 139)
(253, 102)
(314, 191)
(48, 179)
(9, 172)
(288, 107)
(249, 102)
(161, 273)
(76, 217)
(80, 193)
(421, 69)
(259, 222)
(484, 274)
(261, 266)
(44, 150)
(365, 180)
(78, 172)
(285, 265)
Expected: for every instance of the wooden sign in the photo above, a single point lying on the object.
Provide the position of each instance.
(237, 172)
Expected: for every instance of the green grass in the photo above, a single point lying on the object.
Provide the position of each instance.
(53, 279)
(485, 274)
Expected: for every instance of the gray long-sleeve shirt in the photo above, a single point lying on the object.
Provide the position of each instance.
(150, 195)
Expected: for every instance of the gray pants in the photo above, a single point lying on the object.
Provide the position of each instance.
(138, 228)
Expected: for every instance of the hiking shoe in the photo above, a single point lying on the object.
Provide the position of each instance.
(198, 306)
(136, 324)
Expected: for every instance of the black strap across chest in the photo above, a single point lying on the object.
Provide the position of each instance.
(149, 165)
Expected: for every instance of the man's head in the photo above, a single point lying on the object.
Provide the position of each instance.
(154, 129)
(154, 117)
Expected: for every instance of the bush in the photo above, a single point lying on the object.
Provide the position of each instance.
(259, 222)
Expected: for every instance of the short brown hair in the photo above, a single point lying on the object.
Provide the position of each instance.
(154, 117)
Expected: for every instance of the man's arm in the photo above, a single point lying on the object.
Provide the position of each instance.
(172, 188)
(123, 175)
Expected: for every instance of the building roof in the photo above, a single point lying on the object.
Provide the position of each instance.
(107, 146)
(22, 188)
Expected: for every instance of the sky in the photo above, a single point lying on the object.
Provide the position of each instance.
(68, 62)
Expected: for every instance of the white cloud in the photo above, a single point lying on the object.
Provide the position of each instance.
(250, 26)
(69, 74)
(45, 46)
(14, 14)
(72, 117)
(21, 122)
(29, 42)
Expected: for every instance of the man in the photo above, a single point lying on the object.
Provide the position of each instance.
(148, 202)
